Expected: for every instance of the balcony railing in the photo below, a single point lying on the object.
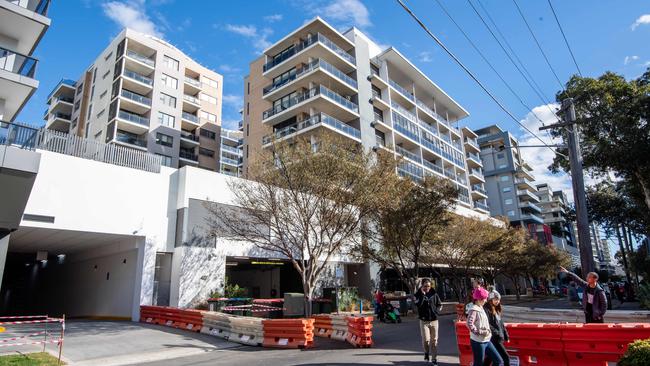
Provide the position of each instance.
(478, 188)
(190, 117)
(189, 136)
(60, 115)
(229, 161)
(425, 107)
(39, 7)
(463, 198)
(16, 63)
(531, 205)
(402, 90)
(130, 139)
(188, 155)
(68, 82)
(403, 111)
(191, 99)
(316, 64)
(446, 138)
(301, 97)
(312, 121)
(472, 142)
(474, 157)
(131, 117)
(434, 167)
(428, 127)
(63, 99)
(380, 141)
(481, 206)
(231, 149)
(431, 146)
(138, 77)
(407, 169)
(136, 97)
(407, 154)
(141, 58)
(192, 81)
(476, 172)
(306, 43)
(403, 127)
(13, 134)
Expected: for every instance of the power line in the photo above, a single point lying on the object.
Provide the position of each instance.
(538, 45)
(564, 36)
(485, 89)
(536, 90)
(487, 61)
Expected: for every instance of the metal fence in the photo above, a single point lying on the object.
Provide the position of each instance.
(27, 137)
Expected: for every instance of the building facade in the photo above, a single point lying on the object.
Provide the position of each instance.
(143, 93)
(600, 248)
(509, 180)
(555, 211)
(318, 79)
(231, 158)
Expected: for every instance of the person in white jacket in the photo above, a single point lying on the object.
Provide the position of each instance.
(479, 330)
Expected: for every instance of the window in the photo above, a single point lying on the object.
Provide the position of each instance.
(507, 189)
(170, 63)
(209, 134)
(94, 75)
(90, 112)
(206, 152)
(165, 140)
(502, 166)
(501, 155)
(169, 81)
(102, 95)
(108, 56)
(210, 82)
(98, 135)
(209, 116)
(511, 213)
(248, 88)
(101, 113)
(247, 129)
(247, 108)
(208, 98)
(92, 92)
(508, 201)
(76, 105)
(80, 88)
(166, 160)
(168, 100)
(166, 120)
(106, 74)
(504, 178)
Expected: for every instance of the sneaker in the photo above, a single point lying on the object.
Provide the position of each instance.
(426, 357)
(434, 362)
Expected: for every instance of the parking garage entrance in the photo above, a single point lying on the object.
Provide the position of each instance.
(263, 278)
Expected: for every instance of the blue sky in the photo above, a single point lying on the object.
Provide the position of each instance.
(226, 36)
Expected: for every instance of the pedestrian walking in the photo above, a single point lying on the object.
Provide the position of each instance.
(480, 334)
(594, 300)
(429, 305)
(493, 309)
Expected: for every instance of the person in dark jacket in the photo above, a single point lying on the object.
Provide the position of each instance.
(429, 305)
(500, 335)
(594, 300)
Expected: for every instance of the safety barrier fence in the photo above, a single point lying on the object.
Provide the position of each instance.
(355, 330)
(559, 344)
(519, 314)
(29, 330)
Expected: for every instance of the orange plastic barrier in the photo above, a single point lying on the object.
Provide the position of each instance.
(554, 344)
(360, 331)
(460, 312)
(323, 326)
(188, 319)
(288, 333)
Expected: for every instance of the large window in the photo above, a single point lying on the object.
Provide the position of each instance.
(169, 81)
(168, 100)
(210, 82)
(166, 160)
(166, 120)
(165, 140)
(170, 63)
(206, 152)
(209, 134)
(209, 116)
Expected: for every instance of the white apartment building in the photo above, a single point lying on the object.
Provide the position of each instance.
(555, 209)
(231, 158)
(318, 79)
(143, 93)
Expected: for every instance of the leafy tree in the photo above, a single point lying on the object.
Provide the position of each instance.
(306, 201)
(612, 114)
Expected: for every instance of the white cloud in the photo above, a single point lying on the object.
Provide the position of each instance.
(643, 19)
(130, 14)
(646, 64)
(259, 37)
(347, 12)
(225, 68)
(230, 124)
(234, 101)
(629, 59)
(273, 18)
(425, 56)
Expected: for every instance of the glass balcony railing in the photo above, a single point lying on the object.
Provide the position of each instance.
(345, 128)
(190, 117)
(474, 157)
(407, 154)
(425, 107)
(314, 65)
(229, 161)
(59, 115)
(478, 188)
(450, 175)
(431, 146)
(189, 136)
(130, 139)
(301, 97)
(189, 155)
(476, 172)
(339, 99)
(402, 90)
(132, 117)
(231, 149)
(138, 77)
(191, 99)
(432, 166)
(380, 141)
(410, 170)
(403, 111)
(22, 136)
(481, 206)
(312, 121)
(16, 63)
(136, 97)
(68, 82)
(430, 128)
(403, 128)
(446, 138)
(457, 145)
(63, 99)
(306, 43)
(141, 58)
(39, 7)
(192, 81)
(472, 142)
(463, 198)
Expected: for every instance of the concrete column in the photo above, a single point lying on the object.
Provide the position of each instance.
(4, 246)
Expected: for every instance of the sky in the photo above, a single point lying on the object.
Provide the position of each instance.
(227, 35)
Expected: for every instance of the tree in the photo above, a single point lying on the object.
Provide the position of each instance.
(612, 114)
(306, 201)
(401, 229)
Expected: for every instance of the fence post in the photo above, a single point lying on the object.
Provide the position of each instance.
(45, 337)
(61, 340)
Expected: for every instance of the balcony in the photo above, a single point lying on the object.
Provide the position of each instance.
(231, 149)
(191, 103)
(141, 58)
(191, 85)
(406, 128)
(476, 173)
(432, 146)
(189, 138)
(527, 195)
(132, 122)
(24, 21)
(58, 121)
(474, 159)
(481, 206)
(525, 183)
(319, 64)
(188, 155)
(130, 140)
(405, 93)
(407, 154)
(297, 49)
(405, 112)
(321, 93)
(229, 161)
(463, 198)
(16, 80)
(479, 189)
(532, 217)
(472, 143)
(530, 206)
(436, 168)
(135, 102)
(320, 118)
(410, 170)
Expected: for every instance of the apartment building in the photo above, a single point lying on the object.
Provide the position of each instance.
(555, 211)
(600, 248)
(231, 152)
(317, 79)
(22, 25)
(508, 179)
(143, 93)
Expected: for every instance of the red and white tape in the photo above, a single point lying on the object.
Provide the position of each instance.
(255, 308)
(23, 317)
(21, 337)
(30, 343)
(48, 320)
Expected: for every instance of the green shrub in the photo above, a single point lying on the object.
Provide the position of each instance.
(229, 290)
(644, 296)
(638, 354)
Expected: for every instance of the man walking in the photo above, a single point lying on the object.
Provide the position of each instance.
(429, 306)
(594, 300)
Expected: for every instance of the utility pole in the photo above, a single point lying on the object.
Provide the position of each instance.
(578, 183)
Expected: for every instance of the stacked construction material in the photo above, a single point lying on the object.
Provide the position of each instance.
(288, 333)
(339, 327)
(188, 319)
(323, 326)
(360, 331)
(240, 329)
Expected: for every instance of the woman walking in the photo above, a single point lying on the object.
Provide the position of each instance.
(493, 310)
(479, 330)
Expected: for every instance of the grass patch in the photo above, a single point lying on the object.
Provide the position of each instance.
(29, 359)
